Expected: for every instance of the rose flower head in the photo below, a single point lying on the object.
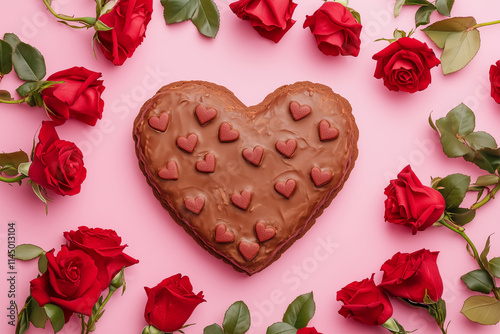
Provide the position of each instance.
(411, 204)
(405, 65)
(365, 302)
(57, 164)
(271, 18)
(171, 303)
(78, 96)
(129, 20)
(336, 30)
(105, 248)
(495, 81)
(412, 276)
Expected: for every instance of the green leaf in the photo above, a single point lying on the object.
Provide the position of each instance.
(13, 160)
(5, 58)
(236, 319)
(439, 31)
(478, 280)
(495, 266)
(28, 62)
(423, 15)
(206, 18)
(37, 314)
(27, 252)
(12, 39)
(28, 87)
(5, 95)
(487, 180)
(459, 122)
(56, 316)
(213, 329)
(487, 159)
(300, 311)
(459, 50)
(484, 310)
(397, 7)
(203, 13)
(454, 188)
(462, 216)
(355, 14)
(23, 323)
(444, 6)
(480, 139)
(281, 328)
(42, 263)
(484, 253)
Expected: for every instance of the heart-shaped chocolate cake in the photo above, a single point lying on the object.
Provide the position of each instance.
(245, 182)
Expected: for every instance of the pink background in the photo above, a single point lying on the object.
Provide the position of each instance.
(350, 240)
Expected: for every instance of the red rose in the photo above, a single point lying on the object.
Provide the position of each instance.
(171, 303)
(69, 282)
(271, 18)
(405, 65)
(365, 302)
(308, 330)
(129, 20)
(104, 246)
(411, 276)
(78, 97)
(336, 30)
(495, 81)
(412, 204)
(57, 164)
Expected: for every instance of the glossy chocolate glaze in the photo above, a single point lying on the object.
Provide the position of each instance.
(261, 125)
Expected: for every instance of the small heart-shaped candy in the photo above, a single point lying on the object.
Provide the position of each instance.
(253, 156)
(264, 232)
(327, 132)
(205, 114)
(298, 112)
(207, 165)
(286, 148)
(319, 177)
(171, 172)
(285, 188)
(160, 122)
(222, 235)
(195, 205)
(242, 200)
(227, 133)
(248, 249)
(187, 143)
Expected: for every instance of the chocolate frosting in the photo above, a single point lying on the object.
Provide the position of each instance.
(225, 189)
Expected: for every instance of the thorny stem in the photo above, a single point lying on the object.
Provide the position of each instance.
(484, 24)
(93, 317)
(13, 101)
(85, 20)
(491, 194)
(461, 231)
(13, 179)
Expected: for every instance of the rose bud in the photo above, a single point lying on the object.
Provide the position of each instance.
(57, 164)
(405, 65)
(171, 303)
(495, 81)
(105, 248)
(79, 96)
(271, 18)
(411, 204)
(69, 282)
(365, 302)
(308, 330)
(412, 276)
(129, 20)
(335, 29)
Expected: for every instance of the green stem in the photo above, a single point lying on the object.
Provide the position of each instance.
(93, 317)
(485, 24)
(13, 101)
(461, 231)
(89, 21)
(486, 198)
(83, 324)
(12, 179)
